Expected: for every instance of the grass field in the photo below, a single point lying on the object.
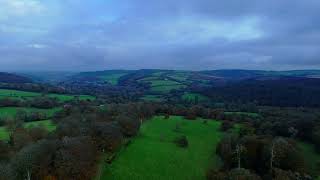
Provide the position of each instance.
(193, 96)
(311, 157)
(153, 155)
(4, 135)
(113, 78)
(162, 85)
(12, 111)
(166, 88)
(180, 76)
(5, 93)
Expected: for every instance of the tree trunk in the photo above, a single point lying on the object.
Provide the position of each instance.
(28, 175)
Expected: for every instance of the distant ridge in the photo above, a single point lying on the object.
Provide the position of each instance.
(13, 78)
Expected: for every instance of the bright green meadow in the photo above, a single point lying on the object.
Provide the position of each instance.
(15, 94)
(153, 155)
(12, 111)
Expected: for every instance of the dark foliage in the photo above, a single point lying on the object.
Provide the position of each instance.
(182, 142)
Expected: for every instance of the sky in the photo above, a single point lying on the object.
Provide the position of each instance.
(78, 35)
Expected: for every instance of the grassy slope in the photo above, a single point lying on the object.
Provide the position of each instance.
(4, 135)
(152, 155)
(180, 76)
(5, 93)
(11, 111)
(161, 83)
(311, 157)
(192, 97)
(113, 78)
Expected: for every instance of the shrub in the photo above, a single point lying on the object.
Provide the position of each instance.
(182, 141)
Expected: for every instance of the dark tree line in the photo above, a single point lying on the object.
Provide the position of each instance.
(283, 92)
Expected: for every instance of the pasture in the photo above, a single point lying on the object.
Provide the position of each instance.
(4, 134)
(161, 82)
(192, 97)
(113, 78)
(312, 158)
(153, 155)
(10, 112)
(15, 94)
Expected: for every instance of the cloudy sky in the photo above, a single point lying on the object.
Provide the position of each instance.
(86, 35)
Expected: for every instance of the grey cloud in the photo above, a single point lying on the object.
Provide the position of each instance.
(181, 34)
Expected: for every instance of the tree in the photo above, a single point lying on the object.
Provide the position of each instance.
(107, 136)
(242, 174)
(21, 115)
(316, 137)
(76, 158)
(5, 172)
(20, 138)
(4, 151)
(32, 161)
(129, 126)
(285, 155)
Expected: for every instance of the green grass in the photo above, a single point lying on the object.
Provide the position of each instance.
(113, 78)
(4, 134)
(153, 155)
(193, 96)
(180, 76)
(15, 94)
(166, 88)
(45, 123)
(12, 111)
(164, 83)
(311, 157)
(154, 98)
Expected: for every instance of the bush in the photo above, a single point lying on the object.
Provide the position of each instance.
(226, 125)
(182, 142)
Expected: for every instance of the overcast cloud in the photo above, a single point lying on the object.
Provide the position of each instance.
(168, 34)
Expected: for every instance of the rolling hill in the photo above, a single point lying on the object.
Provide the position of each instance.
(13, 78)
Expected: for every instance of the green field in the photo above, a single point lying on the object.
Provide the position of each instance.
(113, 78)
(5, 93)
(11, 112)
(4, 135)
(162, 85)
(193, 96)
(166, 88)
(180, 76)
(312, 158)
(153, 155)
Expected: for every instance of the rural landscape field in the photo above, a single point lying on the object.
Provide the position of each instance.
(159, 90)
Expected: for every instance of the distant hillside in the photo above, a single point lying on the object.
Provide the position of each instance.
(48, 77)
(285, 92)
(13, 78)
(214, 77)
(259, 74)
